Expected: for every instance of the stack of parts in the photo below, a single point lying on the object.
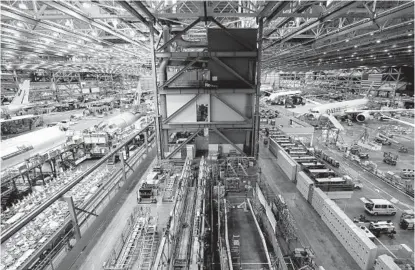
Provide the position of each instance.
(21, 245)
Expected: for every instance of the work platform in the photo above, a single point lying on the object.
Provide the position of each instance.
(247, 250)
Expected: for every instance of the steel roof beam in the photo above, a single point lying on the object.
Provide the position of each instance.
(388, 36)
(282, 5)
(76, 13)
(265, 10)
(311, 24)
(7, 11)
(300, 8)
(353, 27)
(134, 12)
(144, 9)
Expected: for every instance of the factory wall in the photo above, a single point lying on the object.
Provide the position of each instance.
(175, 102)
(274, 147)
(219, 112)
(267, 207)
(222, 113)
(359, 246)
(287, 165)
(305, 185)
(385, 262)
(224, 148)
(235, 136)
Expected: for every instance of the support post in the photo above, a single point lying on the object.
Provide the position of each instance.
(255, 143)
(41, 175)
(74, 218)
(124, 174)
(159, 151)
(146, 141)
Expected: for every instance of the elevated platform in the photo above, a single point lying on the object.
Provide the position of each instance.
(247, 250)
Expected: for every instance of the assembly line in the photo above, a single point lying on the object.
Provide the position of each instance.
(214, 135)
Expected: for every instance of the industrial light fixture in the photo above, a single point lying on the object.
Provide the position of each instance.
(394, 46)
(324, 53)
(22, 5)
(371, 34)
(86, 4)
(347, 40)
(410, 34)
(409, 50)
(390, 55)
(385, 50)
(355, 46)
(378, 41)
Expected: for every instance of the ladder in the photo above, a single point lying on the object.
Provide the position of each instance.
(168, 190)
(134, 243)
(235, 251)
(148, 249)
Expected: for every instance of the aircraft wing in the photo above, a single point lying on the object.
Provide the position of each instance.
(336, 123)
(378, 111)
(400, 121)
(314, 102)
(20, 117)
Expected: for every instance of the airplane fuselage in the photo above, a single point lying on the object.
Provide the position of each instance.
(340, 108)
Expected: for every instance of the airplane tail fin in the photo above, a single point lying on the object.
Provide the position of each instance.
(22, 96)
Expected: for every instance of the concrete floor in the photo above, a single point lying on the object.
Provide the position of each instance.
(405, 160)
(93, 249)
(374, 188)
(312, 231)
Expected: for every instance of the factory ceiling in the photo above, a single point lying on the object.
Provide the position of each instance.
(113, 36)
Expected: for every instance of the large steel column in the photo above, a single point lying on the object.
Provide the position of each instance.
(256, 121)
(163, 99)
(74, 218)
(160, 154)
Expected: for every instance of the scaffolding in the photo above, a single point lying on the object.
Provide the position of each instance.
(128, 248)
(149, 246)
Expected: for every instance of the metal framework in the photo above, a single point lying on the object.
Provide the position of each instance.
(113, 37)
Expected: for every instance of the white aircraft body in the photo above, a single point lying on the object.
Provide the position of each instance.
(15, 150)
(343, 108)
(20, 101)
(277, 95)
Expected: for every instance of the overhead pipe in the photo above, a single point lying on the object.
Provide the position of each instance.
(163, 65)
(190, 44)
(163, 79)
